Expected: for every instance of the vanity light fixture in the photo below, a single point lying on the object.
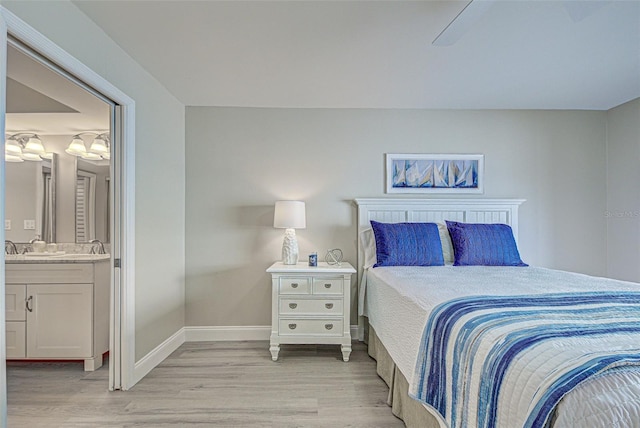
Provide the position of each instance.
(34, 145)
(76, 147)
(24, 146)
(289, 215)
(12, 150)
(100, 147)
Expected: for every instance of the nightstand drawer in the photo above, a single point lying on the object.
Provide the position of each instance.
(290, 306)
(295, 286)
(317, 327)
(327, 285)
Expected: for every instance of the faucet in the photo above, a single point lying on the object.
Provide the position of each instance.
(97, 245)
(28, 248)
(10, 247)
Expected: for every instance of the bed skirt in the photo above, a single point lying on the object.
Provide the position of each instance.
(412, 412)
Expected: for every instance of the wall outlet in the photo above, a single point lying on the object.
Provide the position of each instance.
(29, 225)
(7, 225)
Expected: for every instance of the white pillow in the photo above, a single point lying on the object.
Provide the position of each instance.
(447, 246)
(368, 243)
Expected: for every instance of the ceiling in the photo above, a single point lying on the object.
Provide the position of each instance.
(42, 101)
(517, 54)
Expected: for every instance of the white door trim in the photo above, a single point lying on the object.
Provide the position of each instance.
(3, 109)
(123, 291)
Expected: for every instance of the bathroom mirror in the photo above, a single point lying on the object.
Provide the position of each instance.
(92, 200)
(30, 200)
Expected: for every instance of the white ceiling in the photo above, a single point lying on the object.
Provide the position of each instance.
(378, 54)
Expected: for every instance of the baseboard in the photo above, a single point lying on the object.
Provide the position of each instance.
(226, 333)
(157, 355)
(203, 334)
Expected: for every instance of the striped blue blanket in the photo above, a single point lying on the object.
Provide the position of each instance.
(489, 361)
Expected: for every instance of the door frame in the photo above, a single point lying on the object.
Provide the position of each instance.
(122, 324)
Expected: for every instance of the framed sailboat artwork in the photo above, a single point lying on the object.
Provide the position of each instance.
(435, 173)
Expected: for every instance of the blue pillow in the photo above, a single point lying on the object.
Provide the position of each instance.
(476, 244)
(407, 244)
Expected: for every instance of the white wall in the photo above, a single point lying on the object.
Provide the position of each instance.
(159, 164)
(239, 161)
(623, 194)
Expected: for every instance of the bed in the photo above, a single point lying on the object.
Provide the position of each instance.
(434, 382)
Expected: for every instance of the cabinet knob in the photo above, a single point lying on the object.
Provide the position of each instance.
(294, 285)
(328, 305)
(292, 326)
(328, 326)
(293, 305)
(327, 286)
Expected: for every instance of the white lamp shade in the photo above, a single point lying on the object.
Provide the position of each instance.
(34, 145)
(12, 158)
(289, 215)
(12, 147)
(99, 146)
(31, 156)
(76, 147)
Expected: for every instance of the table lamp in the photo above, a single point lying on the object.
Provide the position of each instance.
(289, 215)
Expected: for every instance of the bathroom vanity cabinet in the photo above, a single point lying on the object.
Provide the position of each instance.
(58, 311)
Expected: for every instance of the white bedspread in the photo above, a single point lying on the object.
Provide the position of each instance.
(398, 301)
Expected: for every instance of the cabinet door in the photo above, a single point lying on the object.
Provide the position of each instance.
(15, 295)
(15, 337)
(59, 322)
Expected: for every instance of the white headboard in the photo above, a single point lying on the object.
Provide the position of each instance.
(396, 210)
(433, 210)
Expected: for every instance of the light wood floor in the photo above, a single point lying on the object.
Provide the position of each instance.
(209, 384)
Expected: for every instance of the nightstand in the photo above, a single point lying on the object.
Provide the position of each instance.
(310, 305)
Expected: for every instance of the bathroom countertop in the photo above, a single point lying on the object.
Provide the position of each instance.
(55, 258)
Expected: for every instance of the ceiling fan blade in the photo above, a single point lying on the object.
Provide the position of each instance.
(462, 22)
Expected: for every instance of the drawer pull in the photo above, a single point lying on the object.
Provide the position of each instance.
(30, 303)
(328, 326)
(292, 326)
(293, 305)
(294, 285)
(327, 286)
(328, 305)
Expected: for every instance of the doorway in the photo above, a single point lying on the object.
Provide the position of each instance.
(122, 322)
(57, 193)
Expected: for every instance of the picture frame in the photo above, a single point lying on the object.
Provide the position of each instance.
(435, 173)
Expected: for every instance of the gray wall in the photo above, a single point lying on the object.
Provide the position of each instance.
(239, 161)
(623, 193)
(160, 133)
(20, 199)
